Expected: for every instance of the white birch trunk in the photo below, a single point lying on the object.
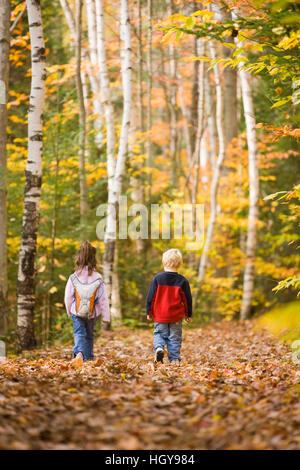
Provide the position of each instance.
(110, 233)
(218, 168)
(115, 167)
(149, 90)
(82, 116)
(173, 106)
(200, 123)
(74, 25)
(95, 85)
(137, 183)
(211, 122)
(33, 173)
(249, 272)
(4, 73)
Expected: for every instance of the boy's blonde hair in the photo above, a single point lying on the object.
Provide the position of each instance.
(172, 258)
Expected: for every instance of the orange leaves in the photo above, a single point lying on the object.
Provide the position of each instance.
(278, 132)
(230, 378)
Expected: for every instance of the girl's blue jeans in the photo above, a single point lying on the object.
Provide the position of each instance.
(171, 335)
(83, 330)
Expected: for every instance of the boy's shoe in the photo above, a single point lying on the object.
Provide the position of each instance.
(175, 362)
(78, 360)
(159, 355)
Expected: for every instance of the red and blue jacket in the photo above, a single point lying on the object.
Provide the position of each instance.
(169, 298)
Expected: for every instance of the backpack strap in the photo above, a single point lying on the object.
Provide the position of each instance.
(99, 296)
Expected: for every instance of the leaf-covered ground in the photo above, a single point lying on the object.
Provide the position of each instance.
(235, 389)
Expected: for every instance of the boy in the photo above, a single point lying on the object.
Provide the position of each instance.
(169, 300)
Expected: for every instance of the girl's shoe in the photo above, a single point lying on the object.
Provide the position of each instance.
(159, 355)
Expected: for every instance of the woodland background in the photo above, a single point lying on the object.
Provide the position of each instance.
(179, 111)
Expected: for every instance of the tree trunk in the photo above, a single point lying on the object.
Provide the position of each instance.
(115, 169)
(218, 168)
(137, 182)
(33, 175)
(95, 85)
(173, 106)
(110, 233)
(82, 117)
(249, 271)
(200, 119)
(4, 72)
(115, 310)
(75, 29)
(149, 89)
(230, 93)
(211, 121)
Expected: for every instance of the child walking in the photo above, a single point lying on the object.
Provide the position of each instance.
(169, 300)
(85, 300)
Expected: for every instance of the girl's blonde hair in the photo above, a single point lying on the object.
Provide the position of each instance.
(172, 258)
(86, 256)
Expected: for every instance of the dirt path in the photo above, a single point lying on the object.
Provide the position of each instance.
(235, 389)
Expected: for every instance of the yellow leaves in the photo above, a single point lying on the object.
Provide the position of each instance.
(216, 417)
(63, 278)
(291, 41)
(136, 148)
(207, 15)
(59, 305)
(52, 290)
(193, 58)
(168, 36)
(190, 22)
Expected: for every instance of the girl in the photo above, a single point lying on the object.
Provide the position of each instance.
(85, 300)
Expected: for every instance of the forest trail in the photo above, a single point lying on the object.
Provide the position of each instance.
(235, 389)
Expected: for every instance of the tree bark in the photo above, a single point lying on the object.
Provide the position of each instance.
(33, 175)
(115, 167)
(149, 89)
(94, 79)
(230, 94)
(218, 168)
(4, 73)
(249, 272)
(173, 106)
(82, 117)
(200, 119)
(137, 183)
(75, 27)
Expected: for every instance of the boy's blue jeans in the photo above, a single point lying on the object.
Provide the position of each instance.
(83, 337)
(171, 335)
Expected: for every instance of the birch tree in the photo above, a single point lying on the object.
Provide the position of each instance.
(149, 89)
(82, 115)
(33, 178)
(75, 27)
(218, 167)
(115, 165)
(249, 271)
(137, 182)
(230, 92)
(93, 71)
(173, 105)
(4, 71)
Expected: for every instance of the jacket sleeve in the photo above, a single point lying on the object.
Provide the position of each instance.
(102, 304)
(187, 292)
(69, 296)
(150, 296)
